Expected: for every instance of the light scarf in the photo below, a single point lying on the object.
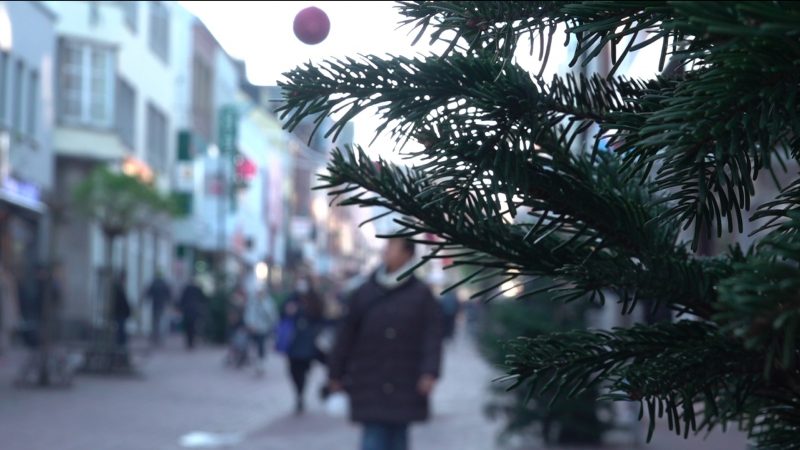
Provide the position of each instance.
(389, 280)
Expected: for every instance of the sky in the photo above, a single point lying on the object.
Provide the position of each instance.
(261, 34)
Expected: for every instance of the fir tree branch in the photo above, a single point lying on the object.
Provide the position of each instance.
(498, 26)
(598, 25)
(758, 303)
(498, 144)
(709, 145)
(668, 368)
(411, 93)
(670, 278)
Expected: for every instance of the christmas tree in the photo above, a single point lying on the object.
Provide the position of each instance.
(504, 180)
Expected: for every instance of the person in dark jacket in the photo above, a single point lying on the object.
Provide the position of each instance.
(388, 350)
(450, 309)
(304, 307)
(121, 309)
(160, 296)
(37, 304)
(191, 305)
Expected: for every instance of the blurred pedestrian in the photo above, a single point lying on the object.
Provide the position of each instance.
(237, 335)
(30, 295)
(121, 309)
(450, 309)
(388, 351)
(9, 308)
(191, 305)
(160, 295)
(260, 318)
(304, 310)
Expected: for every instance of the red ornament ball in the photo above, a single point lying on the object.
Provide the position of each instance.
(311, 25)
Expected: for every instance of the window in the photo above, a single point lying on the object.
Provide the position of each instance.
(94, 13)
(159, 30)
(16, 117)
(202, 97)
(3, 87)
(156, 138)
(130, 11)
(86, 81)
(126, 113)
(33, 102)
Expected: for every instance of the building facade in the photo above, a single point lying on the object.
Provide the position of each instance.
(27, 59)
(115, 97)
(145, 89)
(204, 170)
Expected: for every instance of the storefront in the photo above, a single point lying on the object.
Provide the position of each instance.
(22, 225)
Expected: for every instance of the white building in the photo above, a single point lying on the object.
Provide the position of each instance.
(259, 221)
(116, 96)
(27, 58)
(208, 94)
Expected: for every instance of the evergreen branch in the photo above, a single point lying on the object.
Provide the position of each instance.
(503, 118)
(412, 93)
(670, 279)
(497, 27)
(781, 213)
(500, 184)
(700, 162)
(709, 145)
(495, 123)
(597, 25)
(758, 303)
(668, 368)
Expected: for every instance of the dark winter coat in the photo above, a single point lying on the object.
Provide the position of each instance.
(388, 340)
(122, 309)
(192, 302)
(160, 293)
(307, 326)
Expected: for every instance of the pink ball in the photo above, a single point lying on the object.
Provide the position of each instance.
(311, 25)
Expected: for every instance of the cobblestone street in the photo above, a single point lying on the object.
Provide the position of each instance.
(182, 395)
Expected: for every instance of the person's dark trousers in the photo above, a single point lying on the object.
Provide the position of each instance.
(259, 339)
(189, 329)
(298, 369)
(122, 334)
(385, 436)
(155, 333)
(449, 326)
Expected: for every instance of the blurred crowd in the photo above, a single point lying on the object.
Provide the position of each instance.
(379, 335)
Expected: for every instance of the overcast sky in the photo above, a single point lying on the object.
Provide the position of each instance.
(261, 34)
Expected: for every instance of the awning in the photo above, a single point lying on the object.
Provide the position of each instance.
(21, 194)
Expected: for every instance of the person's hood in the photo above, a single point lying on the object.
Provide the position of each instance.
(389, 280)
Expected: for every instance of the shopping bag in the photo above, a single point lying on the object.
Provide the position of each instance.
(337, 405)
(284, 335)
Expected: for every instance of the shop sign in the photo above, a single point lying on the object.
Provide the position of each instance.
(22, 193)
(21, 189)
(228, 124)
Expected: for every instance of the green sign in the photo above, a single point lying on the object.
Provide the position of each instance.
(228, 129)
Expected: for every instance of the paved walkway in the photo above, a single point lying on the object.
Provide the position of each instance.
(182, 393)
(184, 398)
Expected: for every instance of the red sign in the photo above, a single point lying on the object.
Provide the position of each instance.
(246, 169)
